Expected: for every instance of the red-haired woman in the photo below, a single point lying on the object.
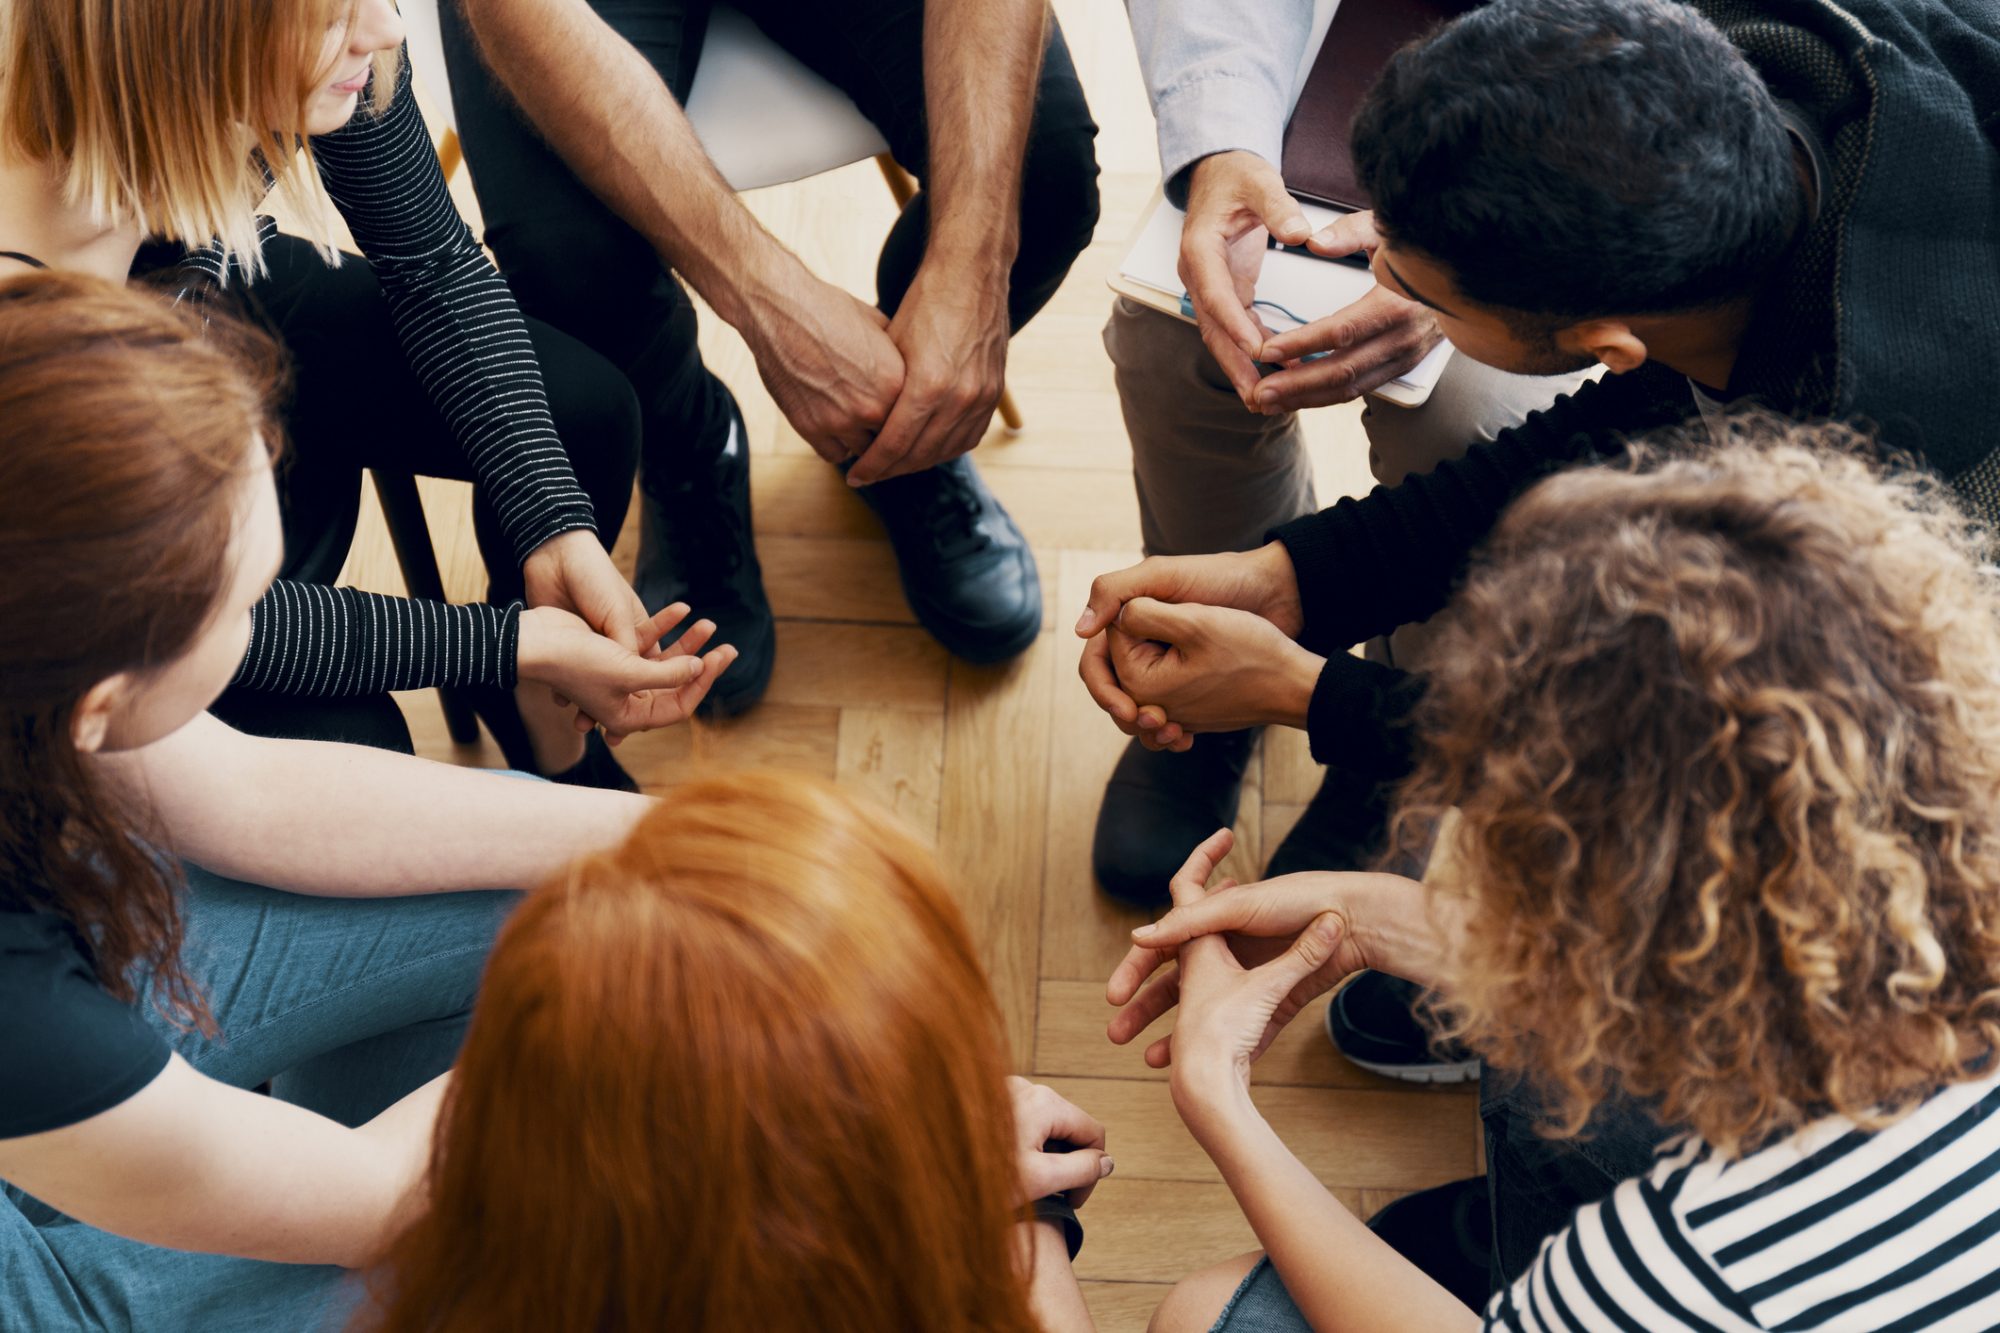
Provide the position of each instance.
(743, 1072)
(147, 984)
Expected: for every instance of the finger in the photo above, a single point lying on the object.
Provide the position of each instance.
(1071, 1173)
(1133, 968)
(1309, 953)
(893, 443)
(1165, 622)
(659, 625)
(1237, 365)
(1374, 314)
(1213, 914)
(1059, 1118)
(1109, 592)
(1346, 234)
(691, 643)
(1161, 1053)
(1102, 683)
(1345, 377)
(1211, 289)
(1281, 213)
(1160, 996)
(1189, 882)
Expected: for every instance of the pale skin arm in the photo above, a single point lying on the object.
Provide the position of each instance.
(981, 62)
(346, 820)
(194, 1164)
(826, 357)
(1341, 1275)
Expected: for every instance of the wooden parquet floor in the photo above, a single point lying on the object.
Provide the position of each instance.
(1003, 767)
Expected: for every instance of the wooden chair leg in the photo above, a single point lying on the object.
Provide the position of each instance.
(902, 188)
(450, 154)
(403, 508)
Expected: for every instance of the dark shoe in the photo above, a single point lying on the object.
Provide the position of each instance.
(1158, 806)
(1447, 1231)
(502, 716)
(1342, 828)
(597, 768)
(1373, 1023)
(967, 570)
(695, 546)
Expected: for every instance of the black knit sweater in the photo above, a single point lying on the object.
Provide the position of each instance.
(1886, 311)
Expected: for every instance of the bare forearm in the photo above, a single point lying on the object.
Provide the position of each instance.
(1406, 928)
(1054, 1298)
(981, 62)
(1343, 1277)
(346, 820)
(607, 113)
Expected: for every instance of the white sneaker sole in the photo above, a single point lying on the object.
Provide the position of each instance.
(1459, 1071)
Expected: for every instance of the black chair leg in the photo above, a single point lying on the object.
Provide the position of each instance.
(403, 507)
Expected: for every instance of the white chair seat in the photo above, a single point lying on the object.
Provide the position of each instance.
(763, 117)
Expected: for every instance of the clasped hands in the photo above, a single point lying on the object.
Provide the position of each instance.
(1178, 645)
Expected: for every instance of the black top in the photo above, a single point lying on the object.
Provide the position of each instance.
(1882, 312)
(69, 1050)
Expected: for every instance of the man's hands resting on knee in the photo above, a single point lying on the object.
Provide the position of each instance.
(1183, 644)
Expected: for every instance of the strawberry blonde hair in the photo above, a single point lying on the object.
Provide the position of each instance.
(167, 113)
(1723, 733)
(741, 1072)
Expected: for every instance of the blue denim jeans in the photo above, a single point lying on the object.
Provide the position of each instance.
(343, 1005)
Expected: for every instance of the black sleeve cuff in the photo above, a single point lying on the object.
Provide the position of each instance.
(1313, 546)
(1359, 718)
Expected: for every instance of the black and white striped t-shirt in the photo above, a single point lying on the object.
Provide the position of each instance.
(466, 341)
(1832, 1228)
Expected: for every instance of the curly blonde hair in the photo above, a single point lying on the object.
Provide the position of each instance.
(1723, 734)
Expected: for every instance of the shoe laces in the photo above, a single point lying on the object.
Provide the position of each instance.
(953, 514)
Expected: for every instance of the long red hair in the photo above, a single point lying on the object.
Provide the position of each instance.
(742, 1072)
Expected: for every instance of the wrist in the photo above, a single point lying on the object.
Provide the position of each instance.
(1292, 696)
(1213, 1100)
(533, 651)
(1279, 579)
(765, 284)
(979, 257)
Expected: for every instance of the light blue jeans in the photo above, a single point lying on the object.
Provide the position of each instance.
(343, 1005)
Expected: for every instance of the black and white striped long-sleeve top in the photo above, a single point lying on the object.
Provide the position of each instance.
(1833, 1228)
(467, 343)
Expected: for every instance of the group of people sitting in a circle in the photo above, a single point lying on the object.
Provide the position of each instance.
(1702, 736)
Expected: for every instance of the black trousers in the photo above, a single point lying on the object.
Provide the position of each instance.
(357, 404)
(572, 262)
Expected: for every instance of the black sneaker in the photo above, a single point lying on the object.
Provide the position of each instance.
(1373, 1022)
(1158, 806)
(967, 570)
(1447, 1232)
(696, 546)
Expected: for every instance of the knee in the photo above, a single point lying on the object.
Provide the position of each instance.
(1059, 197)
(1196, 1301)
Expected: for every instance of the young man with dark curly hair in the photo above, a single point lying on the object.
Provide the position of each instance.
(1722, 736)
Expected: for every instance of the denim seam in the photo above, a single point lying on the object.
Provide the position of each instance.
(355, 985)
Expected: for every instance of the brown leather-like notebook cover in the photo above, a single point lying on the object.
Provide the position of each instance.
(1318, 157)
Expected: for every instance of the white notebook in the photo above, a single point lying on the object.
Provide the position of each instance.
(1309, 288)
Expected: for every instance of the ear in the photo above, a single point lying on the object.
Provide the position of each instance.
(90, 725)
(1608, 340)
